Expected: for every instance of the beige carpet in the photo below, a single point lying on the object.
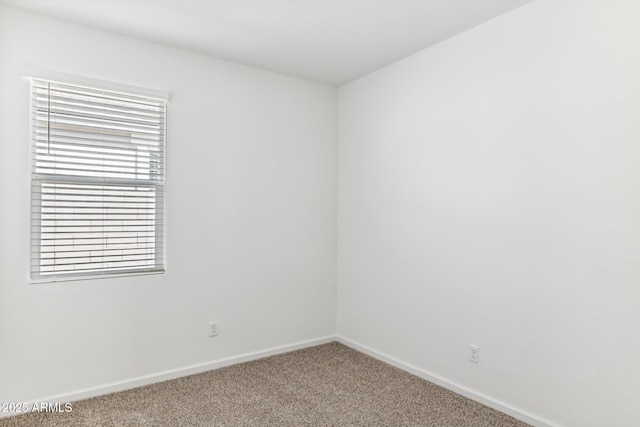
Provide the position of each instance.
(327, 385)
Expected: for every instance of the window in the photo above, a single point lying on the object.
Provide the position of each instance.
(97, 187)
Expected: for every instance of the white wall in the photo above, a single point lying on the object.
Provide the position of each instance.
(489, 193)
(251, 218)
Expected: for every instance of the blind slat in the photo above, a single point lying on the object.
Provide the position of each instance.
(41, 101)
(41, 86)
(71, 136)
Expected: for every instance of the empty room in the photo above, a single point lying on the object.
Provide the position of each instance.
(320, 213)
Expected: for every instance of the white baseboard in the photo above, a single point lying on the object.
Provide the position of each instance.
(171, 374)
(501, 406)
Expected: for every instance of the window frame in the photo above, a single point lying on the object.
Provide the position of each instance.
(157, 183)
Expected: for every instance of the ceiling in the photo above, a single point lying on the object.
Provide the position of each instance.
(327, 41)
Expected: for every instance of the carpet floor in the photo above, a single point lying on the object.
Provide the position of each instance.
(326, 385)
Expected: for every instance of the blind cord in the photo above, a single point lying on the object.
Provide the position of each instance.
(48, 118)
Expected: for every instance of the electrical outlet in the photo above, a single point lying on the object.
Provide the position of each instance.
(213, 329)
(474, 353)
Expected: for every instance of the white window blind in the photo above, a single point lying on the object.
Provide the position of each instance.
(97, 193)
